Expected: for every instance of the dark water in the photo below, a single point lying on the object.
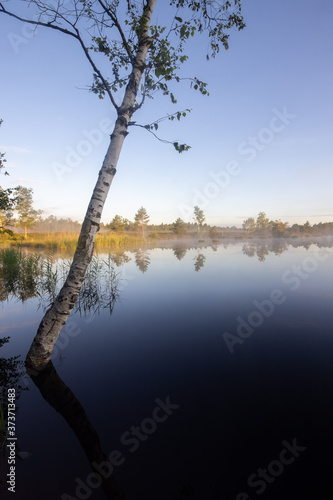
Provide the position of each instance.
(170, 396)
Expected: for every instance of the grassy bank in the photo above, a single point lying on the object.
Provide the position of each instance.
(68, 241)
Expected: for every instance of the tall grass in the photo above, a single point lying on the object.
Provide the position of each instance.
(100, 287)
(18, 273)
(68, 241)
(24, 276)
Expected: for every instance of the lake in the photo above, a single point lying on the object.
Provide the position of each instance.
(210, 377)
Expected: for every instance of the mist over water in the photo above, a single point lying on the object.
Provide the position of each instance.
(210, 377)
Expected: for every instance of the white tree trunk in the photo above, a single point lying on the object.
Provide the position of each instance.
(41, 349)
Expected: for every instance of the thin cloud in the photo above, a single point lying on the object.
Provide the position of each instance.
(15, 149)
(24, 180)
(308, 215)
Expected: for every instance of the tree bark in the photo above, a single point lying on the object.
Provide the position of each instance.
(56, 316)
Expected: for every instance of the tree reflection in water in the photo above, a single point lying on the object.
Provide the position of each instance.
(262, 250)
(100, 288)
(142, 259)
(120, 258)
(25, 276)
(18, 274)
(101, 282)
(63, 400)
(11, 377)
(179, 253)
(199, 262)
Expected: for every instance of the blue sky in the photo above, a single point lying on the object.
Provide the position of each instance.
(262, 140)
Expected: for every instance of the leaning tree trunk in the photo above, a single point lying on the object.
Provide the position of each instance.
(56, 316)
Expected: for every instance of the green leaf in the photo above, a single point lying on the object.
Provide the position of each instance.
(179, 19)
(182, 31)
(181, 147)
(158, 72)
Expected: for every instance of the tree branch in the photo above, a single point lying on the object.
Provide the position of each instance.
(147, 127)
(37, 23)
(119, 28)
(178, 147)
(99, 74)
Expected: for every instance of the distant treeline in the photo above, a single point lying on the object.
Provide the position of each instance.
(261, 226)
(18, 214)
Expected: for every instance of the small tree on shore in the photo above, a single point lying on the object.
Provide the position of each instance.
(179, 226)
(8, 200)
(199, 217)
(214, 232)
(279, 228)
(141, 219)
(28, 216)
(118, 223)
(249, 225)
(306, 228)
(262, 223)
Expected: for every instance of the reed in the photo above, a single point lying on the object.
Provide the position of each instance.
(68, 241)
(18, 272)
(25, 275)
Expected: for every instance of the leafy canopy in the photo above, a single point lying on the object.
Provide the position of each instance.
(179, 226)
(141, 217)
(27, 215)
(198, 215)
(112, 32)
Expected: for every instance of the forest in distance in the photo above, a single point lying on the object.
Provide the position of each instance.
(18, 214)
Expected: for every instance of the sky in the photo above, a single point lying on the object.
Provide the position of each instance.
(261, 141)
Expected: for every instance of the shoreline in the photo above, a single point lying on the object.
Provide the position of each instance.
(116, 242)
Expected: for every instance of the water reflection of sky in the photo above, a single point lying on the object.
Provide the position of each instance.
(165, 338)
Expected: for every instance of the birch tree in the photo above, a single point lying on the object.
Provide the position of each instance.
(143, 59)
(198, 217)
(27, 215)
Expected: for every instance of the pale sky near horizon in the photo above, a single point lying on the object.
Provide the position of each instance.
(262, 140)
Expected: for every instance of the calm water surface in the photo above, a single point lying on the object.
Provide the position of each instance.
(212, 378)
